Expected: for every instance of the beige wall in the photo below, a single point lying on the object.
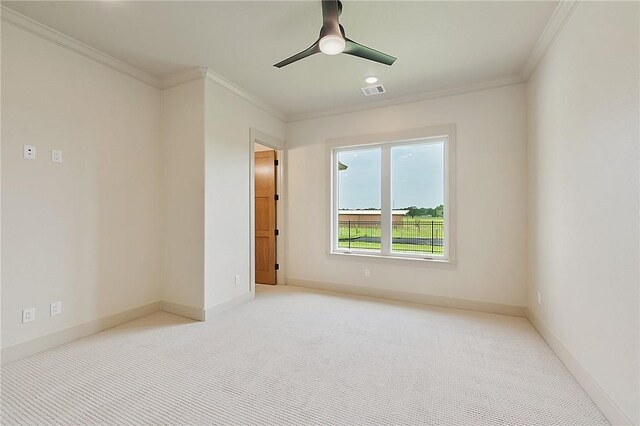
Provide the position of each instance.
(491, 203)
(228, 120)
(87, 232)
(583, 195)
(152, 199)
(183, 144)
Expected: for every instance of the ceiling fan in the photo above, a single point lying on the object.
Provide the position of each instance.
(332, 40)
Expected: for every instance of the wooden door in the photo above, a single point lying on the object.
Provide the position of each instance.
(265, 216)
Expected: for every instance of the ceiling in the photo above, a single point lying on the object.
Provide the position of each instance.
(439, 45)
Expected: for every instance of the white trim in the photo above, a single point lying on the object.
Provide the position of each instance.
(399, 256)
(32, 347)
(508, 81)
(612, 412)
(40, 344)
(176, 79)
(48, 33)
(258, 103)
(443, 133)
(386, 232)
(186, 311)
(554, 26)
(422, 299)
(227, 305)
(256, 136)
(54, 36)
(197, 73)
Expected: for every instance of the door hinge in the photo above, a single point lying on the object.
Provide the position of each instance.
(275, 162)
(277, 266)
(277, 197)
(277, 232)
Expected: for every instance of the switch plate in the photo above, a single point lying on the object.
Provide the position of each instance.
(56, 308)
(539, 299)
(56, 156)
(367, 272)
(237, 279)
(28, 315)
(29, 152)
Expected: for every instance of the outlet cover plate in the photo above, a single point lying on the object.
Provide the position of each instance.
(56, 308)
(28, 315)
(56, 156)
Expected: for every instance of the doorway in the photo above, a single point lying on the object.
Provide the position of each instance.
(265, 222)
(260, 142)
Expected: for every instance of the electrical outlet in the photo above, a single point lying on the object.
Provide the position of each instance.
(367, 272)
(29, 152)
(56, 308)
(56, 156)
(28, 315)
(539, 299)
(237, 279)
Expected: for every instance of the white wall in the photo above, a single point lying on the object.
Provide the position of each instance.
(491, 200)
(583, 195)
(183, 143)
(86, 232)
(228, 121)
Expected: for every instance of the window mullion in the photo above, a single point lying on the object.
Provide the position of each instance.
(385, 196)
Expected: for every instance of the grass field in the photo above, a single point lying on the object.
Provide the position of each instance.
(412, 230)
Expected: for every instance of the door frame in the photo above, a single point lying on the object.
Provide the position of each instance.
(257, 136)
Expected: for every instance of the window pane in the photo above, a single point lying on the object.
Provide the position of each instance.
(417, 193)
(359, 175)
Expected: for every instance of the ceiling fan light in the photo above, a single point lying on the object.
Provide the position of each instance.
(332, 45)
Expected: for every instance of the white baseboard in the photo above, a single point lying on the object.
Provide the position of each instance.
(404, 296)
(227, 305)
(609, 408)
(32, 347)
(186, 311)
(43, 343)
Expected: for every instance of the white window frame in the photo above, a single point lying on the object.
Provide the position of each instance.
(437, 134)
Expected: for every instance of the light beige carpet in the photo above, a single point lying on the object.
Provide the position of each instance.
(295, 356)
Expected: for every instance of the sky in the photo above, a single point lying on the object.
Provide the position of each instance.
(416, 177)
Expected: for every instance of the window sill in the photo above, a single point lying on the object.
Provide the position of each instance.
(434, 259)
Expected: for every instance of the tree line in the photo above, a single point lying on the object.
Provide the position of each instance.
(425, 211)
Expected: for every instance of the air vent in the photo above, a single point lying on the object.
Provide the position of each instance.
(378, 89)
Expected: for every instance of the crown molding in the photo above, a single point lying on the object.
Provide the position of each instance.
(258, 103)
(508, 81)
(64, 40)
(554, 26)
(182, 77)
(56, 37)
(199, 73)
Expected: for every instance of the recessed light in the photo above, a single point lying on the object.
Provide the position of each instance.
(371, 79)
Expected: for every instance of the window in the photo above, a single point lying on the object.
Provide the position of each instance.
(391, 198)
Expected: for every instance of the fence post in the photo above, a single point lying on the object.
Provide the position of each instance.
(432, 241)
(349, 235)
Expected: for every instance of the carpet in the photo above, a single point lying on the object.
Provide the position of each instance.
(299, 357)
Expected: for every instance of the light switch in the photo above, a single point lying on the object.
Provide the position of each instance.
(29, 151)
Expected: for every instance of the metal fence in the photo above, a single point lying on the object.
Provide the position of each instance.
(409, 236)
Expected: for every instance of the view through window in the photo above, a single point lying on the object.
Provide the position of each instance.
(414, 204)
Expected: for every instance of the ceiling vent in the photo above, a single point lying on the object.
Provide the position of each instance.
(378, 89)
